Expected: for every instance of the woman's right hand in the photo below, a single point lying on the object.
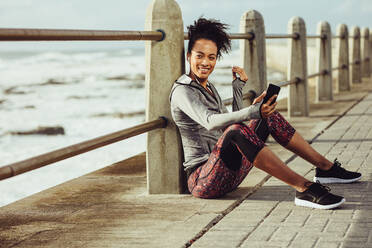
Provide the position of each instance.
(266, 108)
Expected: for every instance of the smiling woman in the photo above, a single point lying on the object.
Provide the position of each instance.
(219, 148)
(202, 59)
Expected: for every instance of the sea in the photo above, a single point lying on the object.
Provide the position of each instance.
(87, 93)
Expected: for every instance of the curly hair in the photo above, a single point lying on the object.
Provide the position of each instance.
(209, 29)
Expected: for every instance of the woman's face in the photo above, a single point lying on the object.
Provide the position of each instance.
(202, 58)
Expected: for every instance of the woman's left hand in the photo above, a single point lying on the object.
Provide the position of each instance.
(267, 108)
(243, 76)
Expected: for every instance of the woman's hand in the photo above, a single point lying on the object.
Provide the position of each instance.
(266, 108)
(243, 76)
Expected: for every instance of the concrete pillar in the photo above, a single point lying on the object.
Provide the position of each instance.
(324, 89)
(298, 101)
(356, 70)
(370, 52)
(343, 81)
(165, 62)
(365, 53)
(253, 52)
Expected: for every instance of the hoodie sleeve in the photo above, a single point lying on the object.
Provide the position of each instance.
(237, 86)
(190, 102)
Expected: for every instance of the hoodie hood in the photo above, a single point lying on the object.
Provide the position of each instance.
(184, 79)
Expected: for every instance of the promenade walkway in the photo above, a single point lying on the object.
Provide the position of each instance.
(109, 208)
(268, 218)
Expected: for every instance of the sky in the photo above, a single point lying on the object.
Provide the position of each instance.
(130, 15)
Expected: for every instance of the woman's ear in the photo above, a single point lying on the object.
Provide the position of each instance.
(188, 57)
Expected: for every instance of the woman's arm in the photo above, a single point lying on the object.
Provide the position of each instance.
(237, 85)
(190, 102)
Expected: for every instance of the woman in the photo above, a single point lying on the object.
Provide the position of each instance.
(219, 149)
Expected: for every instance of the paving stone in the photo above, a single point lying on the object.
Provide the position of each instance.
(325, 244)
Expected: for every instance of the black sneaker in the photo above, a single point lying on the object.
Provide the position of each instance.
(336, 174)
(318, 196)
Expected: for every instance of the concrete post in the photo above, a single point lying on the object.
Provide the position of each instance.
(343, 81)
(298, 101)
(370, 52)
(253, 52)
(324, 89)
(355, 57)
(365, 53)
(164, 64)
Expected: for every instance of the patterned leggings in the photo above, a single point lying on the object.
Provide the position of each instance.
(233, 155)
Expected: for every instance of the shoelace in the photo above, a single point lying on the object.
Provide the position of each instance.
(320, 185)
(325, 187)
(338, 165)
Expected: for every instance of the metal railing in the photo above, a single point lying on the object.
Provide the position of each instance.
(21, 34)
(232, 36)
(73, 150)
(283, 36)
(9, 34)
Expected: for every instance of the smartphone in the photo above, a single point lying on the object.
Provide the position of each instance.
(262, 129)
(271, 90)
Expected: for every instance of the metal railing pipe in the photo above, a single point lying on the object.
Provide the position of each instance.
(21, 34)
(324, 72)
(323, 36)
(356, 62)
(249, 95)
(73, 150)
(295, 80)
(338, 37)
(232, 36)
(282, 36)
(341, 67)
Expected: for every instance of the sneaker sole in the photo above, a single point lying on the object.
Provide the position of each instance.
(303, 203)
(325, 180)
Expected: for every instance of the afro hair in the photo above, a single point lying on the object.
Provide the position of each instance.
(209, 29)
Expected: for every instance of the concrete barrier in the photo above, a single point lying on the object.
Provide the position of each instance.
(343, 79)
(365, 53)
(298, 100)
(324, 89)
(253, 52)
(355, 57)
(164, 64)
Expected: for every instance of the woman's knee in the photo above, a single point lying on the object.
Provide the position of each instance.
(236, 126)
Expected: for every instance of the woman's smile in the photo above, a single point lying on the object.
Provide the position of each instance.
(202, 59)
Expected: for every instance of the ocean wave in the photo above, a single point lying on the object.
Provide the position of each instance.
(138, 76)
(120, 114)
(41, 130)
(86, 97)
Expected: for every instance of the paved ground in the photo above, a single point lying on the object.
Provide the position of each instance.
(109, 208)
(268, 218)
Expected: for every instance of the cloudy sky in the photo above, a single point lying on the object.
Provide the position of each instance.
(130, 15)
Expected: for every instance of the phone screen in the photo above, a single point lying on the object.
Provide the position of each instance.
(271, 90)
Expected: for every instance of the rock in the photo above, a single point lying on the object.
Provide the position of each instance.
(13, 90)
(42, 131)
(29, 107)
(122, 77)
(52, 81)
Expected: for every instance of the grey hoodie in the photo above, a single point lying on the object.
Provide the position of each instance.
(201, 117)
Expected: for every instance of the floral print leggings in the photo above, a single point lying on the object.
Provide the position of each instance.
(233, 155)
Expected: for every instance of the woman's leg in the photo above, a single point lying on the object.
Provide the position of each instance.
(302, 148)
(215, 178)
(288, 137)
(267, 161)
(226, 167)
